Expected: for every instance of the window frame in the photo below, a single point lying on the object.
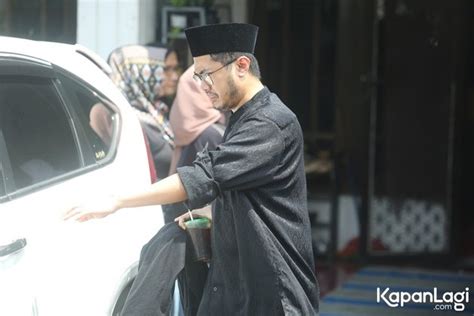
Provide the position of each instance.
(76, 121)
(20, 65)
(6, 173)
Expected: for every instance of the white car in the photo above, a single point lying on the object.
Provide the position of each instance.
(67, 135)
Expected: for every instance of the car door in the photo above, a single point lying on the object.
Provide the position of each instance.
(53, 158)
(16, 280)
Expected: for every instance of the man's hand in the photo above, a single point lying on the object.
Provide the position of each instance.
(202, 212)
(95, 209)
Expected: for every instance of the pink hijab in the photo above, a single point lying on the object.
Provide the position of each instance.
(192, 112)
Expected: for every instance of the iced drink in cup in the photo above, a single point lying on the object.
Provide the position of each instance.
(199, 230)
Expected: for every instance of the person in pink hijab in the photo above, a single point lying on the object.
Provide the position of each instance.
(196, 124)
(194, 121)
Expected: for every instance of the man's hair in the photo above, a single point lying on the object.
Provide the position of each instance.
(224, 58)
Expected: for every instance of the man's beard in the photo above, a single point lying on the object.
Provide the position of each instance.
(234, 95)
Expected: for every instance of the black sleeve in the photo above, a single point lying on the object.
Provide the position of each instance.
(247, 160)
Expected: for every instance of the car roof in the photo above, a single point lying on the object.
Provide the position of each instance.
(75, 59)
(67, 56)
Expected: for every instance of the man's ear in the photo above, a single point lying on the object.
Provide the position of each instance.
(243, 65)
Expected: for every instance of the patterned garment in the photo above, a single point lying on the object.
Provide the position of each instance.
(138, 72)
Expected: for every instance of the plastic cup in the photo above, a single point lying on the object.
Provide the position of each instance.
(199, 230)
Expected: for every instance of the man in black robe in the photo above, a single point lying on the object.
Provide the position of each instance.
(261, 240)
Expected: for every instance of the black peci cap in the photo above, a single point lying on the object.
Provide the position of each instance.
(221, 38)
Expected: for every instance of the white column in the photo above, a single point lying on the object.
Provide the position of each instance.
(239, 11)
(148, 18)
(103, 25)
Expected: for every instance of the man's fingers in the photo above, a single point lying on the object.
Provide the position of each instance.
(84, 218)
(71, 213)
(181, 223)
(181, 219)
(78, 215)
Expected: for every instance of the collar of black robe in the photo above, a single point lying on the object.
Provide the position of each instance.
(249, 106)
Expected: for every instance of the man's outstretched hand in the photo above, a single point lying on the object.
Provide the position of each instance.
(92, 210)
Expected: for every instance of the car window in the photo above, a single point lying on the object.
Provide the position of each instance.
(36, 130)
(96, 116)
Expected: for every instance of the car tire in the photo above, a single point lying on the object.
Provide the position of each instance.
(121, 300)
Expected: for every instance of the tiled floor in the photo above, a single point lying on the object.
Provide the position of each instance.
(331, 275)
(359, 296)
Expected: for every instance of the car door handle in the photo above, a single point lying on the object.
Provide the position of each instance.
(13, 247)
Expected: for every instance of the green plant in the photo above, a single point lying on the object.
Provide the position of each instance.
(182, 3)
(179, 3)
(174, 32)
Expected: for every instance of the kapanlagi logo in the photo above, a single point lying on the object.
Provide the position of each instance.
(399, 299)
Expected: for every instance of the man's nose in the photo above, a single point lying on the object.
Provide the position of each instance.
(205, 86)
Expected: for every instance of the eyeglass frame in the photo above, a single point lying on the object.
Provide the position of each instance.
(203, 77)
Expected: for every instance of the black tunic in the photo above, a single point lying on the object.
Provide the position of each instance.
(261, 241)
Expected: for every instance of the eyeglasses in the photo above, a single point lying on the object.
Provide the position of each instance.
(206, 77)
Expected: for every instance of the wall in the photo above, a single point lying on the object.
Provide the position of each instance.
(238, 9)
(103, 25)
